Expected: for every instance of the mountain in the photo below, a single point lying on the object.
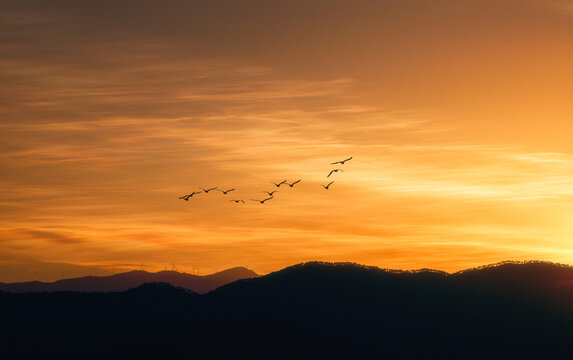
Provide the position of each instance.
(132, 279)
(311, 310)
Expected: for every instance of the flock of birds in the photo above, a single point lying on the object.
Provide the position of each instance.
(270, 193)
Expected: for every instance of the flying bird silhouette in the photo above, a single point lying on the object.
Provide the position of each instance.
(263, 201)
(186, 197)
(327, 186)
(279, 184)
(237, 201)
(296, 182)
(335, 170)
(226, 191)
(270, 192)
(342, 161)
(207, 190)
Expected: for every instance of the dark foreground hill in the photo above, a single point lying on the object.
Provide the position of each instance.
(129, 280)
(313, 310)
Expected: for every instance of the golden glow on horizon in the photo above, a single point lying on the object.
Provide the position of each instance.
(461, 143)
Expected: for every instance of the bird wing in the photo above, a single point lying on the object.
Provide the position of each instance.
(350, 158)
(297, 181)
(269, 198)
(334, 163)
(282, 182)
(330, 173)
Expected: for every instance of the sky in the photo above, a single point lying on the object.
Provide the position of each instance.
(457, 114)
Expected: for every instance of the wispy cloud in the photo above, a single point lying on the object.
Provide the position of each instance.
(54, 237)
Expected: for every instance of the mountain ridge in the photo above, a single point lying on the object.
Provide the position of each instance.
(325, 309)
(132, 279)
(202, 284)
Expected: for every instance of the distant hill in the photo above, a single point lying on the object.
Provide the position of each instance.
(132, 279)
(311, 310)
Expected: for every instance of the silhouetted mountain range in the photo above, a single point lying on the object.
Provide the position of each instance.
(312, 310)
(129, 280)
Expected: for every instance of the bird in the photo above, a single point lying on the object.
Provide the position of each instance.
(327, 186)
(263, 201)
(335, 170)
(237, 201)
(226, 191)
(279, 184)
(270, 192)
(207, 190)
(291, 185)
(186, 197)
(342, 161)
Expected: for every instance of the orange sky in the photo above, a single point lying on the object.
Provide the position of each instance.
(458, 115)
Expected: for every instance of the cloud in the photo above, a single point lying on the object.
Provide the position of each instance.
(53, 237)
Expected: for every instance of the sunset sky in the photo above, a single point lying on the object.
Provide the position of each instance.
(458, 113)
